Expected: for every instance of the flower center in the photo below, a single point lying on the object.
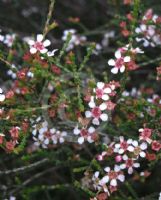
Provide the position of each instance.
(96, 112)
(39, 45)
(119, 62)
(112, 175)
(124, 145)
(99, 93)
(84, 132)
(129, 163)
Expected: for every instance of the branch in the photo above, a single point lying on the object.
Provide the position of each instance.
(21, 169)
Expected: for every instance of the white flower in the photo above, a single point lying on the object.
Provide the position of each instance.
(114, 175)
(129, 164)
(119, 63)
(84, 134)
(43, 136)
(9, 39)
(102, 91)
(39, 45)
(96, 112)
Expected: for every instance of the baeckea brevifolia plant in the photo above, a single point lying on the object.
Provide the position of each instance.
(82, 119)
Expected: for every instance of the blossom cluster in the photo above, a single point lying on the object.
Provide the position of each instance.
(99, 104)
(45, 137)
(127, 155)
(7, 39)
(148, 32)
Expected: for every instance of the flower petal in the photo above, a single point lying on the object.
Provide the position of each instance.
(39, 37)
(46, 43)
(103, 106)
(104, 117)
(127, 59)
(33, 50)
(111, 62)
(118, 54)
(122, 69)
(114, 70)
(81, 140)
(88, 114)
(100, 85)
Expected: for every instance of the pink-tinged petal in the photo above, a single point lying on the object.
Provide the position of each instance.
(61, 140)
(114, 70)
(39, 37)
(138, 30)
(107, 169)
(107, 90)
(43, 51)
(143, 27)
(104, 117)
(96, 174)
(104, 180)
(117, 146)
(46, 141)
(130, 170)
(136, 165)
(103, 106)
(123, 166)
(91, 129)
(31, 42)
(121, 177)
(88, 114)
(113, 182)
(46, 43)
(142, 154)
(111, 62)
(122, 69)
(135, 143)
(130, 148)
(143, 146)
(100, 85)
(118, 54)
(95, 121)
(117, 168)
(121, 151)
(127, 59)
(44, 146)
(91, 104)
(105, 97)
(89, 139)
(33, 50)
(81, 140)
(37, 144)
(76, 131)
(129, 141)
(125, 157)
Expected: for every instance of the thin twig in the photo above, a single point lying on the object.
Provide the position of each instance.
(21, 169)
(51, 9)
